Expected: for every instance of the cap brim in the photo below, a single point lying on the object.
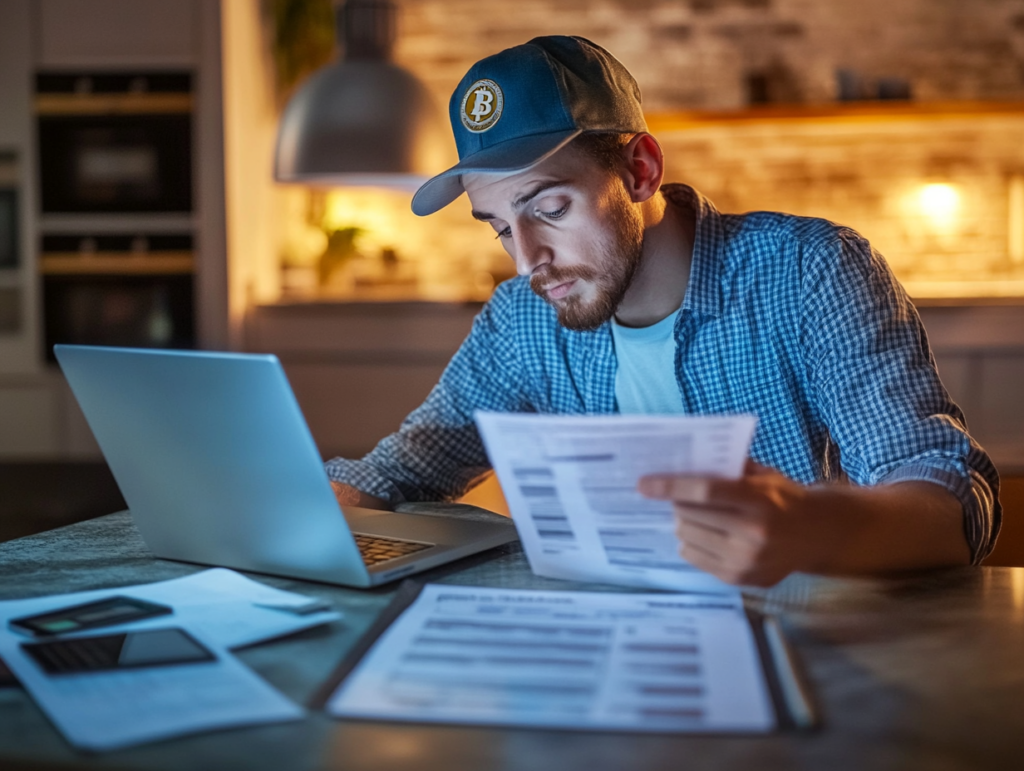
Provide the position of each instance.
(513, 155)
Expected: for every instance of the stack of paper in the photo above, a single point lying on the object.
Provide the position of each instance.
(220, 608)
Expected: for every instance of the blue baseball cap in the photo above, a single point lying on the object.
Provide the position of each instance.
(522, 105)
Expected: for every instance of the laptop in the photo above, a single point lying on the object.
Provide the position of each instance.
(218, 467)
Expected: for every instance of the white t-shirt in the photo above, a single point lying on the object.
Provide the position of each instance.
(645, 382)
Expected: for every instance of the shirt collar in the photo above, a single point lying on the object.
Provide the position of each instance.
(704, 290)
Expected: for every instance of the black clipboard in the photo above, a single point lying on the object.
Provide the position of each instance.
(404, 597)
(788, 687)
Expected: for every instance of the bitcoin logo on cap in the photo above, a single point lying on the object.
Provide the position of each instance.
(481, 106)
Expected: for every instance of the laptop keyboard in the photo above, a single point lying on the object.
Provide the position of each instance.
(375, 548)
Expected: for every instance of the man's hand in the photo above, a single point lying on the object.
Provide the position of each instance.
(757, 529)
(350, 496)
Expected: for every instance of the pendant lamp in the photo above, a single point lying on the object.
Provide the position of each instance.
(362, 120)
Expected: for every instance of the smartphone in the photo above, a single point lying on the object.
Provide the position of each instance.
(128, 650)
(91, 615)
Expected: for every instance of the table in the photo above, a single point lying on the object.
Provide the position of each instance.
(918, 672)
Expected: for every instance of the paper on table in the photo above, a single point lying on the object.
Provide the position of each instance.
(110, 710)
(580, 660)
(570, 483)
(222, 605)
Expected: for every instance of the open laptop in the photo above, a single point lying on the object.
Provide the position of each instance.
(217, 465)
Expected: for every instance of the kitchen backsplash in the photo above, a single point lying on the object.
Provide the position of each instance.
(709, 53)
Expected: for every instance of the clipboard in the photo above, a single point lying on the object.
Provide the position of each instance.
(788, 687)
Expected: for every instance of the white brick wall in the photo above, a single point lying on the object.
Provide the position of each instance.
(696, 53)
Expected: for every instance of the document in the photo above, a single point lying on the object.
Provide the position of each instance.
(222, 605)
(574, 660)
(570, 483)
(110, 710)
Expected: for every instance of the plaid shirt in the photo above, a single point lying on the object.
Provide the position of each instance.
(796, 320)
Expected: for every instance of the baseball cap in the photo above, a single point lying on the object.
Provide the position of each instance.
(520, 106)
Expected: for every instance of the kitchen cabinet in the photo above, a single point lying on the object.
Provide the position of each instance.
(121, 34)
(38, 416)
(979, 349)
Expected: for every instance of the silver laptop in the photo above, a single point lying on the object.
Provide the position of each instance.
(217, 465)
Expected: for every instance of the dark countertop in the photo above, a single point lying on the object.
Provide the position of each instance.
(918, 672)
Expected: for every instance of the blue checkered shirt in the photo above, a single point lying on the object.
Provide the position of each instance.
(796, 320)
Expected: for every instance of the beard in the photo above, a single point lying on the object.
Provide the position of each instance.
(616, 265)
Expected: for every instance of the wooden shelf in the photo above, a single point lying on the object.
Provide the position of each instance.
(112, 104)
(114, 263)
(831, 112)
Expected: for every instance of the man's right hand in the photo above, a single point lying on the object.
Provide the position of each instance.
(350, 496)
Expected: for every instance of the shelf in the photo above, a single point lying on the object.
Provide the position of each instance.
(112, 104)
(115, 263)
(832, 112)
(119, 223)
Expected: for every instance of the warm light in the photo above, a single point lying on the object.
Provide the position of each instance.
(1017, 588)
(939, 202)
(1015, 226)
(382, 216)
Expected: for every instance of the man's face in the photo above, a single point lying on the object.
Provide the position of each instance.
(571, 227)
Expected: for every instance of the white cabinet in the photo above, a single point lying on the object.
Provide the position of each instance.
(38, 415)
(19, 336)
(980, 354)
(30, 425)
(117, 34)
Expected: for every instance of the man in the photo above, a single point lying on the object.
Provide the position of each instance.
(638, 297)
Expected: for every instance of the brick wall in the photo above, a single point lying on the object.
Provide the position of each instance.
(877, 176)
(700, 53)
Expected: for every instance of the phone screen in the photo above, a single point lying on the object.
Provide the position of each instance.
(97, 653)
(91, 615)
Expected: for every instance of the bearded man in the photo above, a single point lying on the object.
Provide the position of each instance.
(635, 296)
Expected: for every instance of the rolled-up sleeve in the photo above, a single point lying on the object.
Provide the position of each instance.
(878, 388)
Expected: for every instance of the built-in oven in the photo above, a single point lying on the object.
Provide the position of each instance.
(115, 142)
(118, 289)
(115, 168)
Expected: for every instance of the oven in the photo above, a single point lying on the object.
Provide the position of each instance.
(118, 289)
(115, 142)
(115, 167)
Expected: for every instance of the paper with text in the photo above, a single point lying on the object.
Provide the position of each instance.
(222, 605)
(576, 660)
(110, 710)
(570, 483)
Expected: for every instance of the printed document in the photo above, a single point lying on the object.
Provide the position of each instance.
(570, 483)
(222, 605)
(222, 609)
(111, 710)
(576, 660)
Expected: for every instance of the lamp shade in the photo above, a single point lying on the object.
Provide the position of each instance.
(362, 119)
